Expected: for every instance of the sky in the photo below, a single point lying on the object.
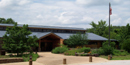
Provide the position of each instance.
(66, 13)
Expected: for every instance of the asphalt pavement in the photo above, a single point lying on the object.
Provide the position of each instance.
(117, 62)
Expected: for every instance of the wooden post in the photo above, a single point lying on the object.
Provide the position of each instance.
(30, 61)
(64, 61)
(90, 58)
(109, 57)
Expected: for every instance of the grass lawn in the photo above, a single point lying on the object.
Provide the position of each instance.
(24, 56)
(127, 57)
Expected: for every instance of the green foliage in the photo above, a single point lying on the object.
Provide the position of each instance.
(105, 49)
(72, 52)
(7, 21)
(120, 53)
(116, 52)
(85, 49)
(126, 44)
(99, 51)
(108, 49)
(17, 40)
(124, 33)
(76, 40)
(26, 57)
(120, 33)
(61, 49)
(100, 29)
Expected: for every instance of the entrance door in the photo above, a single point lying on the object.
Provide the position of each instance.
(46, 46)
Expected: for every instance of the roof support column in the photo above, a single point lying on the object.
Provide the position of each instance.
(39, 48)
(61, 41)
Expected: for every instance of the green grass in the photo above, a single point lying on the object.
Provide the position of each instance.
(127, 57)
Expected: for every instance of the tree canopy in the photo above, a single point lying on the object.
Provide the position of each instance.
(101, 29)
(120, 33)
(17, 39)
(77, 40)
(7, 21)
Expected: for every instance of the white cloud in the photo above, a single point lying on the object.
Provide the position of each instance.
(64, 13)
(127, 21)
(97, 2)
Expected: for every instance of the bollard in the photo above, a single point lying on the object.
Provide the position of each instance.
(90, 58)
(30, 61)
(109, 57)
(64, 61)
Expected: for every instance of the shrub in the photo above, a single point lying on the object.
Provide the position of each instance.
(120, 53)
(72, 52)
(105, 49)
(99, 51)
(116, 52)
(26, 57)
(85, 49)
(59, 49)
(108, 49)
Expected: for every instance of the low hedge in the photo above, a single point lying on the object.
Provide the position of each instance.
(81, 50)
(59, 50)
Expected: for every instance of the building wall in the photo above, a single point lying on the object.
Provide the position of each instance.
(0, 43)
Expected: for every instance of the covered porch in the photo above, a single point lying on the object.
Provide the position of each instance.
(49, 42)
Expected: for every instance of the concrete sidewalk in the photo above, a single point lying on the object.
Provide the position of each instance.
(115, 62)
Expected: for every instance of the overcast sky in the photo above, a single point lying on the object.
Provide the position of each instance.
(67, 13)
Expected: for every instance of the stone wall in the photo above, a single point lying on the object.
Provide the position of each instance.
(10, 60)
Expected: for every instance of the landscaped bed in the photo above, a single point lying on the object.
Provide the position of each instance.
(24, 56)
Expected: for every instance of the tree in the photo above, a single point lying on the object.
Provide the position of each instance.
(124, 36)
(17, 39)
(100, 29)
(77, 40)
(7, 21)
(126, 45)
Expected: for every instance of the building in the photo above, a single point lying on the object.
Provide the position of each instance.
(50, 36)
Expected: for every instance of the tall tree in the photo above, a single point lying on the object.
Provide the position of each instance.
(124, 36)
(100, 29)
(17, 39)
